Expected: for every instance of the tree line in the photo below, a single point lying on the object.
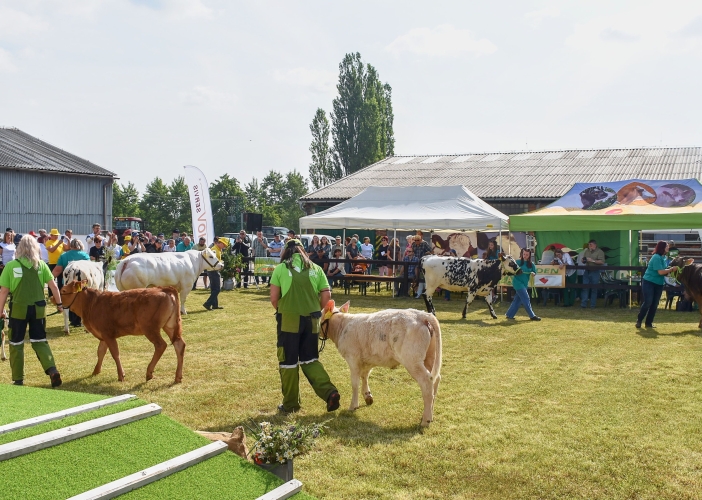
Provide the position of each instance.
(361, 126)
(167, 206)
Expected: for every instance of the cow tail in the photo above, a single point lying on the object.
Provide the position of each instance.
(435, 334)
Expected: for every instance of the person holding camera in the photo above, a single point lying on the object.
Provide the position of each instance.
(592, 257)
(136, 244)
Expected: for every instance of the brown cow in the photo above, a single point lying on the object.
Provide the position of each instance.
(144, 311)
(691, 278)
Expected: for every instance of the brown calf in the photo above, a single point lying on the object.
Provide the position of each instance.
(690, 277)
(145, 311)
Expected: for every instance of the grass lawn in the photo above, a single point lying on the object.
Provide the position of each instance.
(579, 405)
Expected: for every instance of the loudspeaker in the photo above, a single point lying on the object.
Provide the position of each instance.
(253, 222)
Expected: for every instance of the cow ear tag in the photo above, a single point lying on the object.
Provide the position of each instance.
(345, 307)
(689, 262)
(79, 286)
(502, 256)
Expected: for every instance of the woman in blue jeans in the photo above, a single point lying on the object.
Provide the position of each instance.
(520, 283)
(652, 284)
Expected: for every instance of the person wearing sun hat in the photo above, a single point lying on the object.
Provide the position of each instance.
(215, 279)
(299, 292)
(54, 248)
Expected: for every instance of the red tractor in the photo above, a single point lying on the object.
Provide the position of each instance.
(122, 226)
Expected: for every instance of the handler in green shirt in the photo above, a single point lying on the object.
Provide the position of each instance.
(299, 292)
(25, 278)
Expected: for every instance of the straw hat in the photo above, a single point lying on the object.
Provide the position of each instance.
(128, 238)
(54, 232)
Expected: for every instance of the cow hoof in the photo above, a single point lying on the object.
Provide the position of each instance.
(425, 423)
(353, 408)
(369, 399)
(178, 380)
(149, 376)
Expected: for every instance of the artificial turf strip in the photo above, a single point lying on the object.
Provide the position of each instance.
(77, 466)
(22, 402)
(68, 421)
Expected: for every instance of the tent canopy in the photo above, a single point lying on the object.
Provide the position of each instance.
(624, 205)
(409, 208)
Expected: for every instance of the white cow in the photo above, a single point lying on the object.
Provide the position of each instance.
(389, 338)
(82, 270)
(177, 269)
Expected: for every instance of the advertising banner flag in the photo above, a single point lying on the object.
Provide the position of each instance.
(200, 205)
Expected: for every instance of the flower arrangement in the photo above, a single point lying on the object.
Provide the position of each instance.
(233, 264)
(278, 444)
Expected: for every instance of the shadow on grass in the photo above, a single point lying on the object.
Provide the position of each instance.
(652, 333)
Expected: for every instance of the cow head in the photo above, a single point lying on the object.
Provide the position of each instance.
(509, 265)
(211, 259)
(330, 309)
(681, 262)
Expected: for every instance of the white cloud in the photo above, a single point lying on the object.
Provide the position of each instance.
(14, 22)
(6, 63)
(535, 17)
(179, 10)
(206, 96)
(316, 79)
(444, 40)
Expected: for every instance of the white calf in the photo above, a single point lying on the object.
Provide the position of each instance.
(82, 270)
(177, 269)
(389, 338)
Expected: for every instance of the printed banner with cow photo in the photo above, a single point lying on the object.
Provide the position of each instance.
(264, 266)
(547, 276)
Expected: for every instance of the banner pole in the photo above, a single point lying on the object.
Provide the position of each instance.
(394, 237)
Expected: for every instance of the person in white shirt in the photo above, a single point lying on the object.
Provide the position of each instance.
(90, 239)
(171, 247)
(562, 258)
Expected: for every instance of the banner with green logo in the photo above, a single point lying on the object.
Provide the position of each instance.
(547, 276)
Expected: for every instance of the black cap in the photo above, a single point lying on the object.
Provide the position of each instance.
(176, 231)
(9, 230)
(17, 239)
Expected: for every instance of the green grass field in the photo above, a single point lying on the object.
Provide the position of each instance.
(579, 405)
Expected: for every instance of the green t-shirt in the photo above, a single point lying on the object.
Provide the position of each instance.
(12, 274)
(282, 276)
(521, 281)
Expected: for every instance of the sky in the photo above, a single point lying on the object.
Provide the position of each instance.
(144, 87)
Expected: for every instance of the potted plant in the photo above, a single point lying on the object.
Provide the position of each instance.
(231, 270)
(276, 446)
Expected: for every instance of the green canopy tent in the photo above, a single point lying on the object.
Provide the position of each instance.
(628, 205)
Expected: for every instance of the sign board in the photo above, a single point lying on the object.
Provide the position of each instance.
(264, 266)
(547, 276)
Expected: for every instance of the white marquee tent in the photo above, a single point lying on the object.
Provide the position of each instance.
(410, 208)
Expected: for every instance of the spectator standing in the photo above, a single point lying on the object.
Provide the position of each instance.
(367, 249)
(520, 283)
(260, 249)
(492, 252)
(67, 237)
(593, 257)
(25, 280)
(54, 247)
(90, 239)
(97, 252)
(420, 249)
(136, 245)
(275, 246)
(176, 236)
(652, 285)
(242, 245)
(42, 248)
(312, 249)
(299, 292)
(185, 245)
(412, 259)
(7, 248)
(76, 252)
(324, 243)
(291, 235)
(215, 279)
(382, 254)
(42, 236)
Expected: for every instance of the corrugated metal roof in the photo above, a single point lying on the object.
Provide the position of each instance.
(22, 151)
(519, 175)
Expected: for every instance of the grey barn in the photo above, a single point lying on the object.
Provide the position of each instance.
(42, 186)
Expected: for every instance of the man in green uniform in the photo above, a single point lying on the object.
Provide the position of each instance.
(25, 278)
(299, 292)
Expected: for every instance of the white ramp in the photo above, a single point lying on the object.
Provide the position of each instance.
(283, 491)
(48, 439)
(76, 410)
(142, 478)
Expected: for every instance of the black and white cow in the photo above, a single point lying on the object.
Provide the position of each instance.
(457, 274)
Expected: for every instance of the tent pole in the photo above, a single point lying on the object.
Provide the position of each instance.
(630, 294)
(394, 237)
(501, 250)
(343, 244)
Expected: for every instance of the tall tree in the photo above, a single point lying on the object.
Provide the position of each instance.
(155, 205)
(362, 120)
(323, 169)
(227, 200)
(125, 200)
(179, 207)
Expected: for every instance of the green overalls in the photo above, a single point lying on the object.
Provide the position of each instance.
(28, 308)
(298, 329)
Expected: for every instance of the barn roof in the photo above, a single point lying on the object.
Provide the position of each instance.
(19, 150)
(519, 175)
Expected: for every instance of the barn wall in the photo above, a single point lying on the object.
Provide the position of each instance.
(31, 200)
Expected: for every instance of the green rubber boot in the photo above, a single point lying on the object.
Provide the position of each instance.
(17, 361)
(46, 357)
